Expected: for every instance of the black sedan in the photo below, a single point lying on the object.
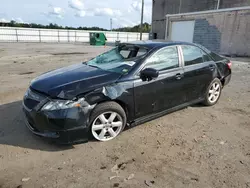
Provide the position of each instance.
(126, 86)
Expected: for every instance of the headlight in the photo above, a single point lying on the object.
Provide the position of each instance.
(63, 104)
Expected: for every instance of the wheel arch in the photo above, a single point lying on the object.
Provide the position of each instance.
(97, 97)
(222, 80)
(121, 103)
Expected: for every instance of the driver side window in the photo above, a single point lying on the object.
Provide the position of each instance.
(164, 59)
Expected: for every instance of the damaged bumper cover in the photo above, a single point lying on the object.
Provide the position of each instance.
(65, 122)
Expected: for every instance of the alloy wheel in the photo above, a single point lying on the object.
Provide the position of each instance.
(107, 126)
(214, 92)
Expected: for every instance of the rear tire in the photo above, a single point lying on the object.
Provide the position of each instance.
(213, 93)
(108, 120)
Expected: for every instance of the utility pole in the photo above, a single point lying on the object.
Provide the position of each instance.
(142, 12)
(180, 6)
(111, 23)
(218, 5)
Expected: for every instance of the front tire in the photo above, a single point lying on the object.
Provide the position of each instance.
(213, 93)
(108, 120)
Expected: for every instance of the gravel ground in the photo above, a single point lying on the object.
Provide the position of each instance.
(194, 147)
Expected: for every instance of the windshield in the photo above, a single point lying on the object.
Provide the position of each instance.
(120, 59)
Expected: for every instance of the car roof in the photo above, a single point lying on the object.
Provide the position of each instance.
(150, 44)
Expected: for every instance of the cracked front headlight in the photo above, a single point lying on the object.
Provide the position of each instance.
(63, 104)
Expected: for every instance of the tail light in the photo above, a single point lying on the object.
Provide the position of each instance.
(229, 64)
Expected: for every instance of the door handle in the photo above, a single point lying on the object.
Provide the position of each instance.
(211, 67)
(178, 76)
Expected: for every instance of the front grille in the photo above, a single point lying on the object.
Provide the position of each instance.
(32, 99)
(30, 103)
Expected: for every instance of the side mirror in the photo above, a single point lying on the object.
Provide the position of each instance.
(149, 74)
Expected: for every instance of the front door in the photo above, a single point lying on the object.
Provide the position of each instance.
(165, 91)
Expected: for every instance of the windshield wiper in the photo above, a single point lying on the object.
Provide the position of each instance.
(113, 60)
(93, 66)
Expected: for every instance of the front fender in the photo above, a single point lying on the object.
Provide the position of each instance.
(122, 92)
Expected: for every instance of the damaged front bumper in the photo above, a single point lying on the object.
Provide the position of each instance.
(64, 126)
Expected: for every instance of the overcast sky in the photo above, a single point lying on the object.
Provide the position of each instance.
(76, 12)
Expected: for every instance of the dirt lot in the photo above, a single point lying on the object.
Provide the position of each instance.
(194, 147)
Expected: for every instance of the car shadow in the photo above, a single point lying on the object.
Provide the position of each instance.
(13, 130)
(199, 105)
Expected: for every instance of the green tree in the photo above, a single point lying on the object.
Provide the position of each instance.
(12, 23)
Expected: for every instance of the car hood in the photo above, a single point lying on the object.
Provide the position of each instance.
(68, 82)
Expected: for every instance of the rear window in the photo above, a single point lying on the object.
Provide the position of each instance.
(206, 57)
(131, 51)
(216, 57)
(213, 55)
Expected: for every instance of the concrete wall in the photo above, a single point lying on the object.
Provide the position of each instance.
(225, 32)
(207, 35)
(163, 7)
(12, 34)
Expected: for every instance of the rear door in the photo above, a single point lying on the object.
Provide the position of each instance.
(199, 71)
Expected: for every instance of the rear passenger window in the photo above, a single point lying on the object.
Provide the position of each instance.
(206, 57)
(216, 57)
(192, 55)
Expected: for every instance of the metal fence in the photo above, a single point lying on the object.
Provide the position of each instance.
(14, 34)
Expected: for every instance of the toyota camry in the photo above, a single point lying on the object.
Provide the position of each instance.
(125, 86)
